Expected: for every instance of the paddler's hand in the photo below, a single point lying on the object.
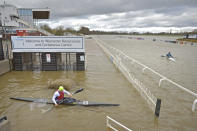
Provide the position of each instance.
(56, 104)
(70, 95)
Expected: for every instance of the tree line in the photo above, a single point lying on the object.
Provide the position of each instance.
(60, 31)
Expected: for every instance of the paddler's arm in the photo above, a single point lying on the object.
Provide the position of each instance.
(68, 93)
(53, 98)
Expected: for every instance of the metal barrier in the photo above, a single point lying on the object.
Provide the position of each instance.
(119, 53)
(32, 27)
(117, 123)
(153, 102)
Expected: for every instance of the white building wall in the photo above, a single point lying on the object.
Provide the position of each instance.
(8, 14)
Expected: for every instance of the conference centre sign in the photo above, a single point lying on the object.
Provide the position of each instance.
(48, 44)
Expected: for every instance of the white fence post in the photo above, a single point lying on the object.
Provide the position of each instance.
(117, 123)
(194, 105)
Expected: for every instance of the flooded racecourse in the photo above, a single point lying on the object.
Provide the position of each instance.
(103, 82)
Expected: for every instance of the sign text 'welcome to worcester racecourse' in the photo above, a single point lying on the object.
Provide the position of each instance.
(48, 44)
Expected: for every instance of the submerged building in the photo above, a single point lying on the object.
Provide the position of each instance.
(69, 54)
(19, 21)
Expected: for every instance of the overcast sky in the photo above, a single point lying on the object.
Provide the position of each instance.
(119, 15)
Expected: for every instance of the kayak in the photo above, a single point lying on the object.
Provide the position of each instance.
(73, 102)
(171, 58)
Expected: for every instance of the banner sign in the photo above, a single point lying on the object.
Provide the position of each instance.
(48, 44)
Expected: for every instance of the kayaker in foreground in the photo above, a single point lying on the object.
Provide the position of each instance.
(58, 96)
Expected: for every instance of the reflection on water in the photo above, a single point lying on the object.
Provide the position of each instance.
(102, 82)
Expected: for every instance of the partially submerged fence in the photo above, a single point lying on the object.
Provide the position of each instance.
(108, 119)
(122, 62)
(118, 58)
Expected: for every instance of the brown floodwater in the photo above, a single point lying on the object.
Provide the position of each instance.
(102, 82)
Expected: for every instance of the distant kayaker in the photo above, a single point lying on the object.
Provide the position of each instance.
(169, 55)
(58, 96)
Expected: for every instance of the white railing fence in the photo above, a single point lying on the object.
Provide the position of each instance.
(108, 119)
(118, 57)
(30, 27)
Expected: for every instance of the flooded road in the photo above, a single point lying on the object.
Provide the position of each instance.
(102, 82)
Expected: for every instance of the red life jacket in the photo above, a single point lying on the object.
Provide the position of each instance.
(61, 95)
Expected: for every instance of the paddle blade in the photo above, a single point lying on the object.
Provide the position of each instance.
(81, 89)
